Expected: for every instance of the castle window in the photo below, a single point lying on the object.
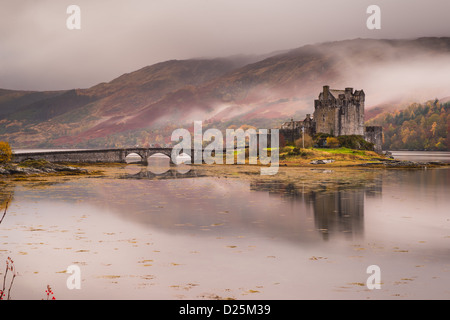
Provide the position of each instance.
(323, 117)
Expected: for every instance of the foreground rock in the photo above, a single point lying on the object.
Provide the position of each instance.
(324, 161)
(388, 163)
(29, 167)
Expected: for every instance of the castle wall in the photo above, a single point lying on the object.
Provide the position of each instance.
(326, 118)
(290, 135)
(351, 120)
(292, 130)
(374, 134)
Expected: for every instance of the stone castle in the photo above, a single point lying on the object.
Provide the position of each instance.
(337, 113)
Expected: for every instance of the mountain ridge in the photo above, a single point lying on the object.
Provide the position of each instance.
(150, 101)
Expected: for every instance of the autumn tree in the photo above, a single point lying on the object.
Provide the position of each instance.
(247, 126)
(332, 142)
(308, 142)
(5, 152)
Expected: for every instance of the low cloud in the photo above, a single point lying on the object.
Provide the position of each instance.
(38, 52)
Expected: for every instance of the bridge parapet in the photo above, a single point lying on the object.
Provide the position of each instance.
(91, 156)
(102, 155)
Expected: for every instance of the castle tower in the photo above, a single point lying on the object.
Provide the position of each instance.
(340, 112)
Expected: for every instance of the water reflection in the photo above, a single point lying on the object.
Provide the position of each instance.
(6, 196)
(159, 168)
(336, 208)
(230, 233)
(441, 156)
(339, 211)
(185, 198)
(335, 211)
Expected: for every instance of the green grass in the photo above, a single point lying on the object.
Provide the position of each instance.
(270, 149)
(34, 163)
(342, 151)
(342, 156)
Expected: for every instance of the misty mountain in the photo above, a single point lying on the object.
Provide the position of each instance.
(144, 106)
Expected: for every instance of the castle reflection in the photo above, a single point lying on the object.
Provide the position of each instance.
(191, 200)
(339, 209)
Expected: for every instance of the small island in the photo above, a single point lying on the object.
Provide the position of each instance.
(346, 157)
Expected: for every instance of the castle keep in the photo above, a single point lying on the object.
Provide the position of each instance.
(340, 112)
(337, 113)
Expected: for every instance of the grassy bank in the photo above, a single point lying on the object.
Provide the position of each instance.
(342, 156)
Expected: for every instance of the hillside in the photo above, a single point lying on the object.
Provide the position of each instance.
(144, 106)
(48, 118)
(417, 127)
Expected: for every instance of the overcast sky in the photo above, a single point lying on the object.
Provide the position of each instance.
(39, 52)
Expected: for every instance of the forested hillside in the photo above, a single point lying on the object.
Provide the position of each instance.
(418, 127)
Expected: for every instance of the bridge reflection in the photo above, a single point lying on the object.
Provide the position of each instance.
(188, 199)
(153, 172)
(337, 209)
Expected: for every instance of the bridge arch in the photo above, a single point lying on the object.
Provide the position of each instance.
(133, 157)
(165, 151)
(158, 163)
(118, 155)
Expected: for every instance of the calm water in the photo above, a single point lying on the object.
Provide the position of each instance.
(200, 234)
(442, 156)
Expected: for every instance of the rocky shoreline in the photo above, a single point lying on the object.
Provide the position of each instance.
(36, 167)
(386, 163)
(392, 163)
(42, 167)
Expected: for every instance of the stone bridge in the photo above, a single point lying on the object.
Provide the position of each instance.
(93, 155)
